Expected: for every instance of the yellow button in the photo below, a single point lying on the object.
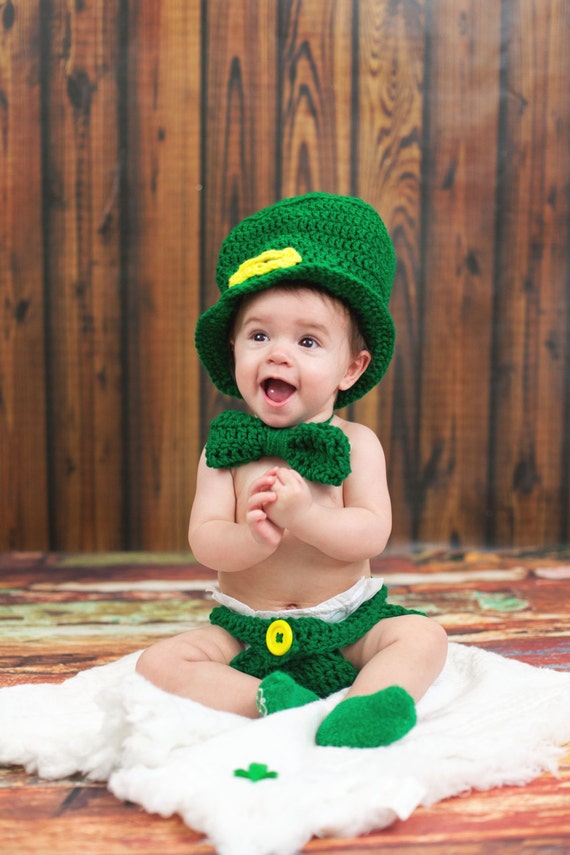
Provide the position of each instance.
(279, 637)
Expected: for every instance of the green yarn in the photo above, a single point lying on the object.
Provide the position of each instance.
(362, 721)
(368, 721)
(314, 659)
(318, 451)
(279, 691)
(337, 242)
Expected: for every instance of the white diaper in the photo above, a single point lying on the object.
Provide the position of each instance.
(333, 611)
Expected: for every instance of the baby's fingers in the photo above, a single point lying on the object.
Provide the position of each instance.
(262, 529)
(258, 500)
(262, 484)
(288, 476)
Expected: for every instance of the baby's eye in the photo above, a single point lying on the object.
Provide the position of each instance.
(259, 336)
(308, 341)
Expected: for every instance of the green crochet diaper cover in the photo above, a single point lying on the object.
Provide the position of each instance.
(307, 648)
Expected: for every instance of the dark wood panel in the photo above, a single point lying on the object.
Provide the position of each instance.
(460, 186)
(389, 137)
(23, 457)
(83, 275)
(123, 167)
(531, 323)
(163, 254)
(316, 97)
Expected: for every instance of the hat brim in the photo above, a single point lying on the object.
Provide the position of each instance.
(213, 330)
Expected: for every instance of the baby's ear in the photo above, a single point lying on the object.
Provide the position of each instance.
(355, 370)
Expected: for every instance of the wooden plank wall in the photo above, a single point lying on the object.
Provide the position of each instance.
(135, 133)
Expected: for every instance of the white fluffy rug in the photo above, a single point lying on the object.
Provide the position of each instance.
(487, 721)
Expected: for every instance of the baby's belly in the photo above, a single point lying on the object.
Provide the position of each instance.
(297, 575)
(296, 584)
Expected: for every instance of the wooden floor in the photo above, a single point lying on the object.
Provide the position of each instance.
(61, 613)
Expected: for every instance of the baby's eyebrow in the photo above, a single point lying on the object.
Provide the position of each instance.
(313, 330)
(254, 319)
(310, 327)
(304, 325)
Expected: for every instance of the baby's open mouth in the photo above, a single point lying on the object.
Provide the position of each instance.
(277, 390)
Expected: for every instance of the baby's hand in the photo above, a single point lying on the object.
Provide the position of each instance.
(293, 498)
(262, 494)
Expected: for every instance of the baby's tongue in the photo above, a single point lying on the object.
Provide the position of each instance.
(278, 390)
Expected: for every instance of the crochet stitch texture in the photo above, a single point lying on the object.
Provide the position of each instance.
(318, 451)
(314, 659)
(338, 243)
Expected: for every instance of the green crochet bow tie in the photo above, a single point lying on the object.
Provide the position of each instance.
(318, 451)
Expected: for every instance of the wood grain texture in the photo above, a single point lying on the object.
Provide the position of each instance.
(163, 264)
(65, 613)
(316, 96)
(532, 291)
(134, 135)
(457, 294)
(84, 367)
(389, 138)
(23, 448)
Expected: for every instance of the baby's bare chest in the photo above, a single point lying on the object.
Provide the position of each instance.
(250, 478)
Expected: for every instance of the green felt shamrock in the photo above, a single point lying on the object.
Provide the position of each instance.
(256, 772)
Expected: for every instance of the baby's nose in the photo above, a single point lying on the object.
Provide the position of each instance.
(279, 354)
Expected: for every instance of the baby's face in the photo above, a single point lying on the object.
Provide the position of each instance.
(292, 355)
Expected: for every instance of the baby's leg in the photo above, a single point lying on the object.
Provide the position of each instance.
(398, 660)
(196, 665)
(407, 651)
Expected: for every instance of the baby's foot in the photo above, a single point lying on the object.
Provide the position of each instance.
(367, 721)
(278, 691)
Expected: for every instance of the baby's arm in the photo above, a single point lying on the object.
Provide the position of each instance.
(216, 539)
(356, 531)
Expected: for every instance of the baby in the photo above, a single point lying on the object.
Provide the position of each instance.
(292, 502)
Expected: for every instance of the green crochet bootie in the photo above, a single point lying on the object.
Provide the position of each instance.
(368, 721)
(278, 691)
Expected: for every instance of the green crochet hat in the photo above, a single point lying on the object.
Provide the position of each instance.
(336, 242)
